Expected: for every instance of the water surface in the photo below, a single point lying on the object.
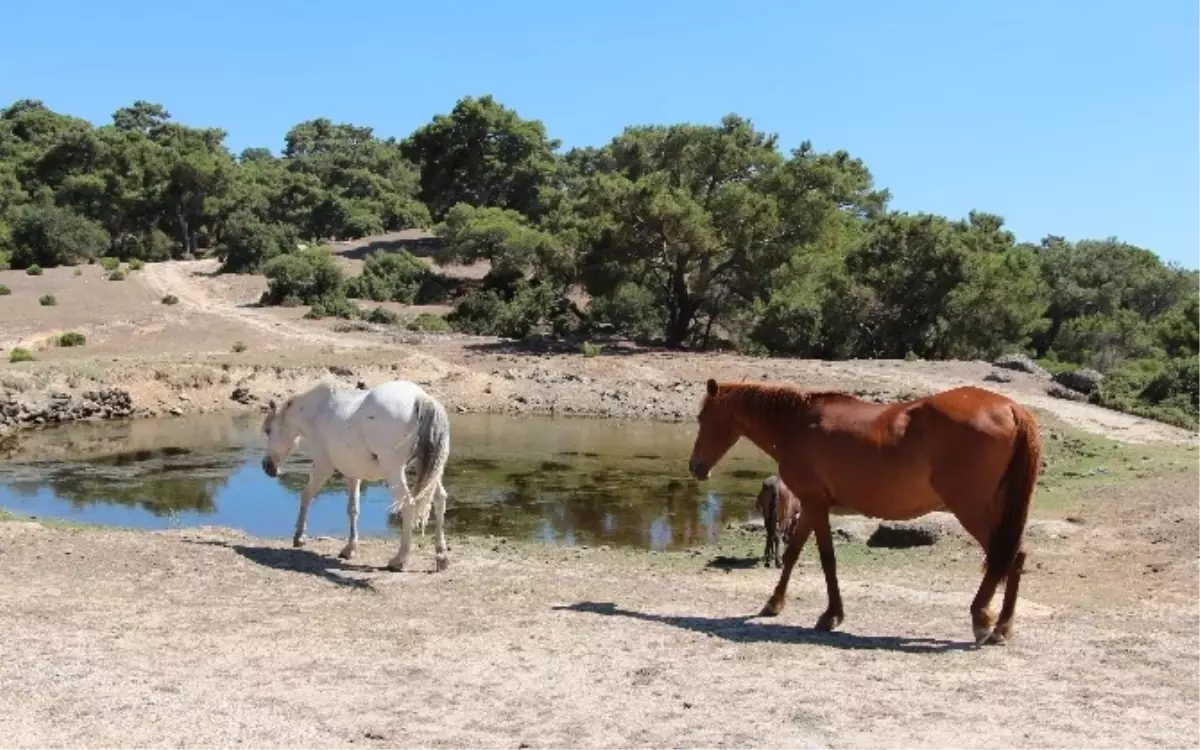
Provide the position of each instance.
(563, 481)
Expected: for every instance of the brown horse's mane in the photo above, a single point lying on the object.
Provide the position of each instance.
(774, 396)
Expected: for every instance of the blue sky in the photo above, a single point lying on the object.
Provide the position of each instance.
(1066, 117)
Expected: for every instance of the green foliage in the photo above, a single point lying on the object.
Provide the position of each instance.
(47, 300)
(429, 323)
(117, 275)
(71, 338)
(19, 354)
(249, 243)
(333, 306)
(170, 299)
(136, 264)
(382, 317)
(110, 264)
(1168, 391)
(394, 277)
(308, 276)
(489, 313)
(51, 236)
(4, 290)
(588, 349)
(34, 270)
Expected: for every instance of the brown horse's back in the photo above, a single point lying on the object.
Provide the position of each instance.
(901, 460)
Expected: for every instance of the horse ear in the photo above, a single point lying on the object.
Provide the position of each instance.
(712, 387)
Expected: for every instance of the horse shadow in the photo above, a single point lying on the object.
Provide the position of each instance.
(744, 630)
(301, 560)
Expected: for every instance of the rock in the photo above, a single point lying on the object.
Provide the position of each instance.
(1050, 529)
(175, 411)
(851, 530)
(1083, 381)
(1059, 391)
(922, 532)
(998, 376)
(242, 395)
(1021, 363)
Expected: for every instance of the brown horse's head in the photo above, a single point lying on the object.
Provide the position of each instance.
(768, 496)
(717, 434)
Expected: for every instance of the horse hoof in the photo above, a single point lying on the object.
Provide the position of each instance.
(442, 562)
(347, 553)
(771, 609)
(395, 567)
(298, 541)
(983, 636)
(829, 621)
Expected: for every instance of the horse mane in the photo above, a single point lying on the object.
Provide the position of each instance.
(772, 396)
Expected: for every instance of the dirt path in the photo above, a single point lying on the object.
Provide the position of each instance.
(209, 638)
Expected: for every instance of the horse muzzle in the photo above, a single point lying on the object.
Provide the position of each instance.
(698, 468)
(269, 467)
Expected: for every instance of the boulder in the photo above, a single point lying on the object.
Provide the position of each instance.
(1083, 381)
(1059, 391)
(998, 376)
(920, 532)
(1021, 363)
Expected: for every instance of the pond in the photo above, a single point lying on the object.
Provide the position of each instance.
(562, 481)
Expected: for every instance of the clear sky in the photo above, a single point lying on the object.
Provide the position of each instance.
(1072, 117)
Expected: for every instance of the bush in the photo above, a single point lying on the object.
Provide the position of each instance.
(333, 306)
(429, 323)
(170, 299)
(389, 277)
(382, 317)
(136, 264)
(487, 313)
(249, 243)
(307, 275)
(631, 309)
(4, 290)
(1164, 390)
(34, 270)
(78, 272)
(154, 245)
(54, 236)
(109, 263)
(588, 349)
(71, 338)
(117, 275)
(239, 347)
(47, 300)
(20, 355)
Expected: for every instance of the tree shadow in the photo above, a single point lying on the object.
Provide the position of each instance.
(302, 561)
(743, 630)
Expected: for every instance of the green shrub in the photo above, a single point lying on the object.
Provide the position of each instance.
(154, 245)
(136, 264)
(333, 306)
(307, 275)
(117, 275)
(20, 355)
(429, 323)
(109, 263)
(588, 349)
(71, 338)
(34, 270)
(49, 236)
(4, 290)
(249, 243)
(47, 300)
(382, 317)
(1164, 390)
(394, 277)
(78, 272)
(170, 299)
(488, 313)
(239, 347)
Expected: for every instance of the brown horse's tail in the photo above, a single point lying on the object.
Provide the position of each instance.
(1016, 489)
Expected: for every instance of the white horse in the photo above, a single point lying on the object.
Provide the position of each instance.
(368, 435)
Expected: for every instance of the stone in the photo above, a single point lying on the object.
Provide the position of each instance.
(920, 532)
(1083, 381)
(998, 376)
(1059, 391)
(1021, 363)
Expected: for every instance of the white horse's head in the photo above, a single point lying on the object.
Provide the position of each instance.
(283, 434)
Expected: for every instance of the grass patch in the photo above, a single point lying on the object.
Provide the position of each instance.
(71, 338)
(20, 354)
(47, 300)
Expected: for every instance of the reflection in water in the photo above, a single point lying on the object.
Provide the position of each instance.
(561, 481)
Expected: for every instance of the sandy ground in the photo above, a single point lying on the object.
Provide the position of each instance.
(208, 638)
(180, 359)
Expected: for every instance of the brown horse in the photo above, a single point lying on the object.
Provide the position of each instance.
(780, 510)
(969, 450)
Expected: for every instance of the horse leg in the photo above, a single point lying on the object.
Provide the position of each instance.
(779, 598)
(319, 475)
(442, 555)
(772, 541)
(352, 511)
(1003, 631)
(833, 614)
(403, 498)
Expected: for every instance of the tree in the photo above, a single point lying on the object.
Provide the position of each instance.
(482, 154)
(49, 236)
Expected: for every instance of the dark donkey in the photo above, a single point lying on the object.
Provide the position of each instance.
(781, 512)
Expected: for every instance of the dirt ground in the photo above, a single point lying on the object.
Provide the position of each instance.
(207, 638)
(181, 359)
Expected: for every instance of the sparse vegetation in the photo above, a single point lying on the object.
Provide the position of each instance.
(383, 317)
(588, 349)
(239, 347)
(47, 300)
(71, 338)
(34, 270)
(170, 299)
(20, 354)
(136, 264)
(429, 323)
(110, 264)
(117, 275)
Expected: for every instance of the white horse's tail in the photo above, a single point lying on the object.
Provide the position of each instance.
(432, 451)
